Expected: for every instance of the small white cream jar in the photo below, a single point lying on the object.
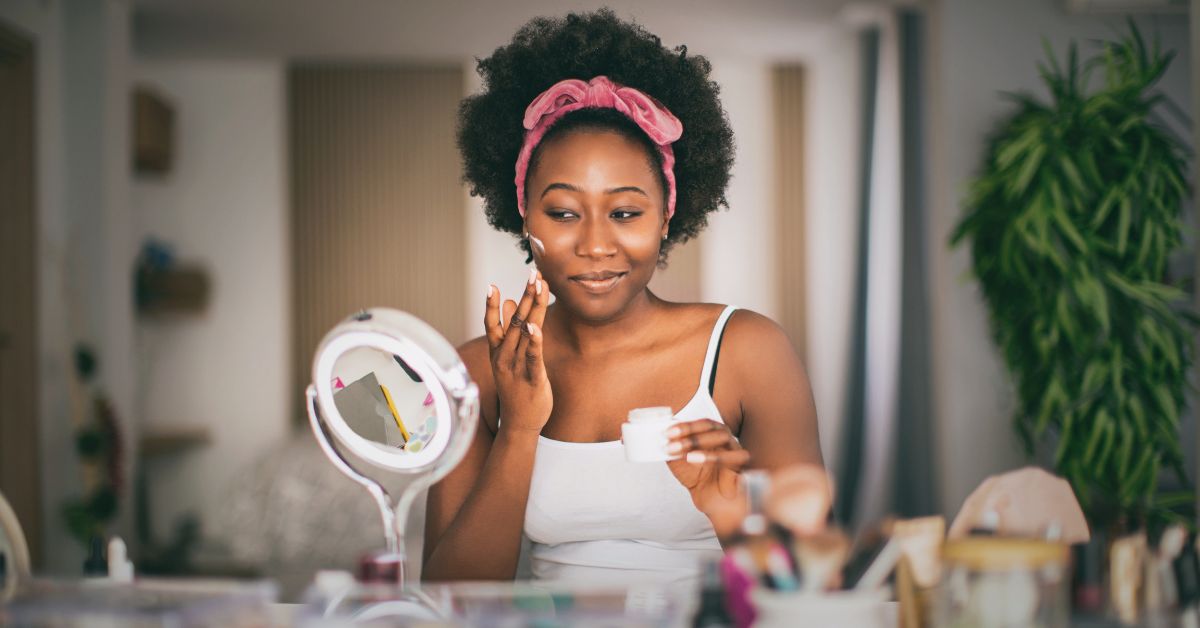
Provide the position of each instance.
(645, 434)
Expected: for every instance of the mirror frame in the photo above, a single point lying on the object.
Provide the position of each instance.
(456, 399)
(428, 354)
(376, 453)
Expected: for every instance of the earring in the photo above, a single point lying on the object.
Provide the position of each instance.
(664, 236)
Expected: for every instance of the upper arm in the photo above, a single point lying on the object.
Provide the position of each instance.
(779, 417)
(447, 496)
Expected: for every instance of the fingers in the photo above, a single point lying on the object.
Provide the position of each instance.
(506, 313)
(541, 300)
(694, 427)
(509, 344)
(733, 458)
(705, 441)
(533, 353)
(712, 439)
(492, 326)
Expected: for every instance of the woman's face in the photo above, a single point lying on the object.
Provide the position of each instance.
(596, 204)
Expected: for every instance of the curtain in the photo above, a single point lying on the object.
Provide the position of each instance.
(887, 461)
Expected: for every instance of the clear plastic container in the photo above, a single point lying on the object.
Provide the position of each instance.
(144, 603)
(993, 582)
(333, 603)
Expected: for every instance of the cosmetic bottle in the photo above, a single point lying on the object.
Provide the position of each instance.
(748, 560)
(711, 611)
(96, 564)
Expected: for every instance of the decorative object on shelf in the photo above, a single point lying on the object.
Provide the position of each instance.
(1071, 224)
(153, 132)
(98, 443)
(164, 286)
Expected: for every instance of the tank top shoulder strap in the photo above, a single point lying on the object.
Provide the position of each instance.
(708, 374)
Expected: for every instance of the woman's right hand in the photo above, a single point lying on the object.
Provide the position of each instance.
(514, 333)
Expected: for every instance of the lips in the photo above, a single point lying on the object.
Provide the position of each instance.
(599, 282)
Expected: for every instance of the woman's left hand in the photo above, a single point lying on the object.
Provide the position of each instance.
(708, 467)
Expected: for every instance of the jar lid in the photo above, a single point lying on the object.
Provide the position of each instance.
(1003, 553)
(656, 413)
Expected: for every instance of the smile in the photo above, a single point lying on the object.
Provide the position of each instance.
(598, 283)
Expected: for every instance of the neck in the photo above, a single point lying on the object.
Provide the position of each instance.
(589, 337)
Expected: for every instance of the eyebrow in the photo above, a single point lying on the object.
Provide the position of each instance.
(572, 188)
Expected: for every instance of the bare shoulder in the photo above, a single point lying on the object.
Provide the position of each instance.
(755, 341)
(476, 356)
(750, 326)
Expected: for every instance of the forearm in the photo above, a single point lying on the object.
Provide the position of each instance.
(483, 542)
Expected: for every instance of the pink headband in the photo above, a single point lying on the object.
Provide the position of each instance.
(566, 96)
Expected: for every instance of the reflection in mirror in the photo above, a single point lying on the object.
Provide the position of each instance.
(383, 400)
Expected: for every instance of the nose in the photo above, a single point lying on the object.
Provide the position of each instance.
(596, 239)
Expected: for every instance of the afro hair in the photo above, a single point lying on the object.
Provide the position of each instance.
(582, 46)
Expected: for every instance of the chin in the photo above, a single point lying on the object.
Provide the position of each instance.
(598, 309)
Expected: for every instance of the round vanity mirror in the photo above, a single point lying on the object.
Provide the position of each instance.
(385, 402)
(389, 390)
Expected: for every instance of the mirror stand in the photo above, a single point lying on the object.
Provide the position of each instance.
(387, 511)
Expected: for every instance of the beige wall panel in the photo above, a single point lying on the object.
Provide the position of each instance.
(377, 203)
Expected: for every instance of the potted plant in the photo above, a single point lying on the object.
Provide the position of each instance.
(1071, 223)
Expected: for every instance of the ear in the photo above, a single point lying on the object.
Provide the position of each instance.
(666, 227)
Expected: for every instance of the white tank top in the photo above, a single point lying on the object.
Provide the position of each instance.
(595, 517)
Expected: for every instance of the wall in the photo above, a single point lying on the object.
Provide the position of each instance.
(223, 206)
(831, 163)
(979, 48)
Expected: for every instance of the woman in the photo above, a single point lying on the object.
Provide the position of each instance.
(620, 149)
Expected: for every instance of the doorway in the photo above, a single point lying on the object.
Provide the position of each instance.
(20, 477)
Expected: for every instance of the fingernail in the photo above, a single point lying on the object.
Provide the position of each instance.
(533, 329)
(673, 432)
(539, 287)
(532, 275)
(490, 289)
(695, 457)
(674, 448)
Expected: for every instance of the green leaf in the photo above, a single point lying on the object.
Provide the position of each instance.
(1174, 499)
(1014, 149)
(1067, 229)
(1069, 169)
(1123, 219)
(1124, 451)
(1138, 412)
(1166, 403)
(1105, 420)
(1093, 442)
(1028, 168)
(1105, 207)
(1132, 482)
(1051, 401)
(1066, 437)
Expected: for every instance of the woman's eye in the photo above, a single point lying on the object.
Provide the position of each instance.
(626, 214)
(560, 214)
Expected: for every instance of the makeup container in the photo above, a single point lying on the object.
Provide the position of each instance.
(645, 434)
(999, 582)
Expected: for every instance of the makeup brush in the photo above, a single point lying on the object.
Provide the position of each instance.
(820, 558)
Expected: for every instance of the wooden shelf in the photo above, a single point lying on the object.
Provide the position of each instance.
(169, 441)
